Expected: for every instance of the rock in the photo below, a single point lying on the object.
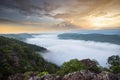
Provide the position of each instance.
(87, 75)
(15, 59)
(17, 76)
(103, 76)
(114, 76)
(80, 75)
(46, 77)
(88, 63)
(58, 78)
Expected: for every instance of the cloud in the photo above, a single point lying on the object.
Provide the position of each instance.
(81, 13)
(61, 50)
(6, 21)
(29, 7)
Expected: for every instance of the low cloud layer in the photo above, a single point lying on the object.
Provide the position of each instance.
(64, 50)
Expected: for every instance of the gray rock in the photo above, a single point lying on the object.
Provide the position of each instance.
(46, 77)
(87, 75)
(17, 76)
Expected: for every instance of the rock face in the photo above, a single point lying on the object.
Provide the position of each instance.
(79, 75)
(17, 77)
(46, 77)
(15, 59)
(88, 63)
(87, 75)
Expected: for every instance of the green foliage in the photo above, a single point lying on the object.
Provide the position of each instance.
(42, 73)
(115, 69)
(105, 69)
(95, 69)
(19, 57)
(114, 60)
(71, 66)
(28, 74)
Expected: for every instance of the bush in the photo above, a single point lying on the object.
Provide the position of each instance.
(114, 60)
(115, 69)
(95, 69)
(71, 66)
(42, 73)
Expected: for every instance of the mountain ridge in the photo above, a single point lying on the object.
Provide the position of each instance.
(115, 39)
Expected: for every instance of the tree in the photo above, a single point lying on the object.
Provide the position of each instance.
(95, 69)
(71, 66)
(115, 69)
(114, 60)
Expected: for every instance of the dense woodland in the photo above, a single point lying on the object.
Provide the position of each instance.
(19, 57)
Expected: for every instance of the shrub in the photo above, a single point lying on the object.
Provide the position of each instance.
(71, 66)
(114, 60)
(42, 73)
(115, 69)
(95, 69)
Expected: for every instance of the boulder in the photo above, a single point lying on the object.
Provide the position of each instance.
(18, 76)
(87, 75)
(46, 77)
(88, 63)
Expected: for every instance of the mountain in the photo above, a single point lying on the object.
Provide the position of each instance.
(105, 31)
(115, 39)
(19, 57)
(21, 36)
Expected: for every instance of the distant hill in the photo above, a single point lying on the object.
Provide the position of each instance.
(115, 39)
(21, 36)
(105, 31)
(20, 57)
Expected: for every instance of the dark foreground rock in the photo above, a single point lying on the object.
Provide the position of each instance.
(46, 77)
(87, 75)
(79, 75)
(18, 76)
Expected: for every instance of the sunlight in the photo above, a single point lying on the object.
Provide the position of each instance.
(100, 22)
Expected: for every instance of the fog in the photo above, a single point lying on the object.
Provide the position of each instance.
(61, 50)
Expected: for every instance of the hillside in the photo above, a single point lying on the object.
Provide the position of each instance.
(20, 57)
(115, 39)
(21, 36)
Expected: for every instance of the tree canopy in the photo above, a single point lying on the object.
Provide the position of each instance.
(71, 66)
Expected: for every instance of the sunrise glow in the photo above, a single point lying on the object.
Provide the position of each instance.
(57, 15)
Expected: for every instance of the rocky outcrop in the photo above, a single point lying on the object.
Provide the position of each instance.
(15, 59)
(45, 77)
(79, 75)
(88, 63)
(87, 75)
(18, 76)
(58, 77)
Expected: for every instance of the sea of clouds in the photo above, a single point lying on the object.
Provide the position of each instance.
(61, 50)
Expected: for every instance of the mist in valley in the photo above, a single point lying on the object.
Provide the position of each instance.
(61, 50)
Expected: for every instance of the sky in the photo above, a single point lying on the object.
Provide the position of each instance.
(20, 16)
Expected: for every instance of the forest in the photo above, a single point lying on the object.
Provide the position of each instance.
(19, 57)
